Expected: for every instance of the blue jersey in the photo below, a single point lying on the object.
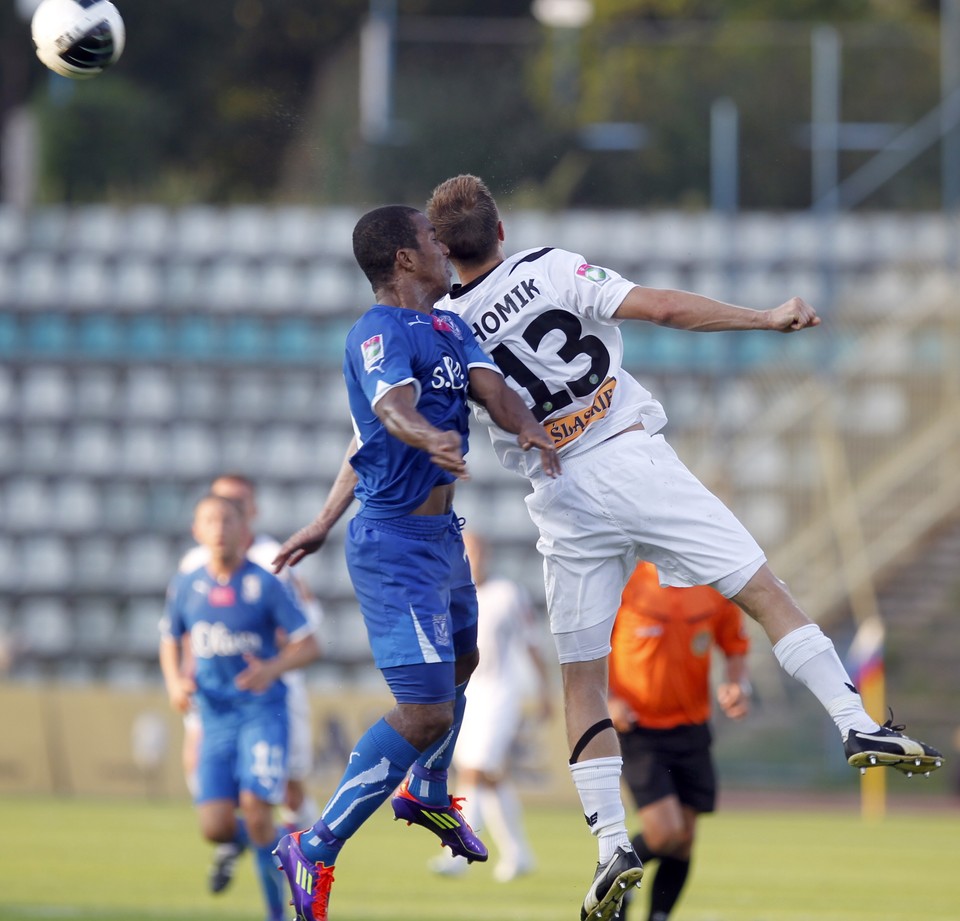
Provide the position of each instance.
(389, 347)
(226, 621)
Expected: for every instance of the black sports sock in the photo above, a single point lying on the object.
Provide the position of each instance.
(667, 886)
(640, 846)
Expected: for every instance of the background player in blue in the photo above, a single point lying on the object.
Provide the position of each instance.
(229, 610)
(409, 371)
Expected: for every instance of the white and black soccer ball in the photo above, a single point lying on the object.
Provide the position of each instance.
(78, 38)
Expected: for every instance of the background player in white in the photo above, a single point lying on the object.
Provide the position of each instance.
(550, 320)
(509, 656)
(228, 612)
(298, 806)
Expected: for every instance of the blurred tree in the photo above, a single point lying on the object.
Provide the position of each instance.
(250, 100)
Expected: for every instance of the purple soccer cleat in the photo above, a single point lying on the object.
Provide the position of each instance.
(446, 822)
(309, 882)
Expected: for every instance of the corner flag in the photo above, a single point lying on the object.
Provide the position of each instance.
(865, 665)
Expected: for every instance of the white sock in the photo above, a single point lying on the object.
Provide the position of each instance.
(504, 815)
(598, 783)
(810, 657)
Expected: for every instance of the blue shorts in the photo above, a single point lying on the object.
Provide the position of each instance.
(417, 597)
(244, 749)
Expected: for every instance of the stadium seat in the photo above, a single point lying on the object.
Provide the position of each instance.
(77, 504)
(139, 624)
(38, 280)
(12, 229)
(46, 564)
(332, 287)
(95, 390)
(87, 282)
(198, 230)
(138, 283)
(92, 448)
(96, 628)
(150, 393)
(146, 450)
(28, 504)
(280, 286)
(46, 392)
(193, 449)
(147, 230)
(44, 627)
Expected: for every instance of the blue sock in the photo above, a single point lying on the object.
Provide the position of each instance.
(241, 839)
(378, 762)
(272, 883)
(428, 778)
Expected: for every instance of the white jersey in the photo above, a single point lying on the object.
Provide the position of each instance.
(503, 634)
(546, 317)
(501, 681)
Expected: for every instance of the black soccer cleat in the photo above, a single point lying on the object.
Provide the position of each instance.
(221, 870)
(889, 747)
(610, 885)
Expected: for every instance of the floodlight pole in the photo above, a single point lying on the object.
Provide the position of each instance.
(950, 81)
(378, 39)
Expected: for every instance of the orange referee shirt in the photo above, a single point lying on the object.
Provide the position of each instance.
(660, 663)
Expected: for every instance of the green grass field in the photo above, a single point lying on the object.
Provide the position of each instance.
(100, 861)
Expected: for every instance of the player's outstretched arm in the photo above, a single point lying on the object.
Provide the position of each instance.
(397, 410)
(697, 313)
(508, 410)
(310, 538)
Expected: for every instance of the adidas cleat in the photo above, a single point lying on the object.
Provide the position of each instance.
(888, 747)
(446, 822)
(224, 863)
(309, 882)
(610, 884)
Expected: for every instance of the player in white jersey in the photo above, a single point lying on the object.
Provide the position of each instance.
(509, 658)
(298, 806)
(550, 320)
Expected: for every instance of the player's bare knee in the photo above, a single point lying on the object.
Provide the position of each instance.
(422, 724)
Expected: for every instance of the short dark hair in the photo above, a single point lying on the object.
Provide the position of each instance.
(466, 218)
(377, 237)
(224, 500)
(240, 478)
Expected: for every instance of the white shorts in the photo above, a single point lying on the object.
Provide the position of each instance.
(626, 499)
(491, 721)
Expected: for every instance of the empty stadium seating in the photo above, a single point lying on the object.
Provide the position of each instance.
(146, 349)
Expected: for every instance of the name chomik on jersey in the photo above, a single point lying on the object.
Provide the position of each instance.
(546, 316)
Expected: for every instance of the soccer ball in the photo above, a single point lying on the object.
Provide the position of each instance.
(78, 38)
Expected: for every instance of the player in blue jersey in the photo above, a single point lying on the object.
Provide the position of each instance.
(409, 371)
(228, 611)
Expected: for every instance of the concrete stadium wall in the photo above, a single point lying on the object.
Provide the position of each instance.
(99, 741)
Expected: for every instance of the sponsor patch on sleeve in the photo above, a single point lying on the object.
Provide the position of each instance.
(593, 273)
(372, 352)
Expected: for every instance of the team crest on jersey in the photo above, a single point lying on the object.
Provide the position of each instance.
(700, 644)
(441, 631)
(444, 325)
(250, 589)
(373, 352)
(593, 273)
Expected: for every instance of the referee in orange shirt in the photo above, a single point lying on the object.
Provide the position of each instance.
(660, 706)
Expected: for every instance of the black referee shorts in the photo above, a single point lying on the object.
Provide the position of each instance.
(670, 762)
